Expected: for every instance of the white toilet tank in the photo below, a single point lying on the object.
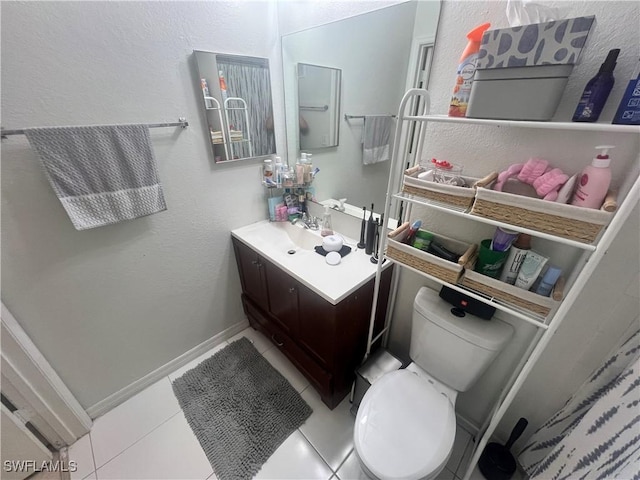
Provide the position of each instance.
(455, 350)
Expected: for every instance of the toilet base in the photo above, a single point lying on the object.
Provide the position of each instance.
(371, 476)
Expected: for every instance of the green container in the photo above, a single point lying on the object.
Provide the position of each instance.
(490, 262)
(422, 240)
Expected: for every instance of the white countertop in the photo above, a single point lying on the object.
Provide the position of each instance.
(333, 283)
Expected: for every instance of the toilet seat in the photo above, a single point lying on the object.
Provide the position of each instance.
(404, 427)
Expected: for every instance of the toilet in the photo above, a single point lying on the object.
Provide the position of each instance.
(406, 422)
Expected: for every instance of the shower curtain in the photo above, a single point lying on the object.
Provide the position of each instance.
(249, 80)
(596, 434)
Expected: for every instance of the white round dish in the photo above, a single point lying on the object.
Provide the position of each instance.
(333, 258)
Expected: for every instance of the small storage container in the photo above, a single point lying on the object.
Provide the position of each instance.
(451, 195)
(426, 262)
(510, 294)
(559, 219)
(522, 72)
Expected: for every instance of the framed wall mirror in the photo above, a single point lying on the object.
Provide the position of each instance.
(236, 99)
(379, 54)
(318, 106)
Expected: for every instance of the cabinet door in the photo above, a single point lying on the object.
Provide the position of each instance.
(283, 299)
(251, 268)
(317, 326)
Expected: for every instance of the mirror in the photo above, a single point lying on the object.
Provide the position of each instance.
(380, 54)
(236, 99)
(318, 106)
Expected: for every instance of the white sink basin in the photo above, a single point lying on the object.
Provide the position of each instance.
(299, 235)
(291, 247)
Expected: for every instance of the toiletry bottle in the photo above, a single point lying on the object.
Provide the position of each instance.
(267, 171)
(300, 168)
(530, 269)
(278, 172)
(205, 92)
(597, 91)
(594, 181)
(548, 281)
(371, 234)
(465, 72)
(223, 86)
(516, 256)
(629, 110)
(326, 228)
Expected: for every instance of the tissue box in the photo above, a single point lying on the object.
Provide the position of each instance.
(522, 71)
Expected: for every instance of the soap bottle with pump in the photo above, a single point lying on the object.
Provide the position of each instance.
(594, 181)
(326, 227)
(597, 91)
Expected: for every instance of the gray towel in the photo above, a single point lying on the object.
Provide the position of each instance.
(101, 174)
(376, 136)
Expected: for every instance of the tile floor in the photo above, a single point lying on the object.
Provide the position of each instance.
(148, 437)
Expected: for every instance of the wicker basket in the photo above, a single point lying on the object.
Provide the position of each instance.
(460, 197)
(566, 221)
(428, 263)
(507, 293)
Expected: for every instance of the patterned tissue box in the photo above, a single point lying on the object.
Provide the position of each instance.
(551, 43)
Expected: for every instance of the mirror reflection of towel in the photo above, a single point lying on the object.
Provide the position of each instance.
(376, 136)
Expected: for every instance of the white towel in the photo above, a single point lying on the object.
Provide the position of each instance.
(376, 136)
(101, 174)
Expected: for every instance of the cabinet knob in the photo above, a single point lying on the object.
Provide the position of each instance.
(292, 289)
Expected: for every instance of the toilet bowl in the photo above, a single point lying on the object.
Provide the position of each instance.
(406, 423)
(405, 426)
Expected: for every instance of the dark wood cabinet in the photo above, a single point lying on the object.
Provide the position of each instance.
(325, 342)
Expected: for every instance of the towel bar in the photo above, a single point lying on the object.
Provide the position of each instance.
(182, 122)
(349, 117)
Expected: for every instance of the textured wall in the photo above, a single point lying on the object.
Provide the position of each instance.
(108, 306)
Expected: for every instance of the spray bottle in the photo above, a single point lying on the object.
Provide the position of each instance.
(465, 72)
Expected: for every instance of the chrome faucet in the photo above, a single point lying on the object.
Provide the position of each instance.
(308, 221)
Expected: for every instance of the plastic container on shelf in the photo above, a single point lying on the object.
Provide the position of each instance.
(420, 182)
(426, 262)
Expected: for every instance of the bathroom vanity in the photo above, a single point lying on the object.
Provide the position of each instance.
(316, 314)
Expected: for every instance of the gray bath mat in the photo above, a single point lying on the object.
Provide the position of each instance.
(240, 408)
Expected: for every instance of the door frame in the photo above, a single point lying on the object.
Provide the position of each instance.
(31, 384)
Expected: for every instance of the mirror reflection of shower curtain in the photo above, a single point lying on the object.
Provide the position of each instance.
(249, 80)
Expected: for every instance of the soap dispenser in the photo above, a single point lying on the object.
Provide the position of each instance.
(326, 227)
(594, 181)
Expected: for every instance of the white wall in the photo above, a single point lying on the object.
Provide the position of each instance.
(610, 302)
(108, 306)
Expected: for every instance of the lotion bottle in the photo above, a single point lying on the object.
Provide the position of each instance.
(594, 181)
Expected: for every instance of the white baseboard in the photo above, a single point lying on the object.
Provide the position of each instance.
(115, 399)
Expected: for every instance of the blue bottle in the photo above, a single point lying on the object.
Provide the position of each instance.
(597, 91)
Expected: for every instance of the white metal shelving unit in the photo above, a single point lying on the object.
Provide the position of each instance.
(417, 101)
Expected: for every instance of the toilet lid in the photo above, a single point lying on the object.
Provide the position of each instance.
(404, 427)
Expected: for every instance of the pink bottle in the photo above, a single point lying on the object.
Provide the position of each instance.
(594, 181)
